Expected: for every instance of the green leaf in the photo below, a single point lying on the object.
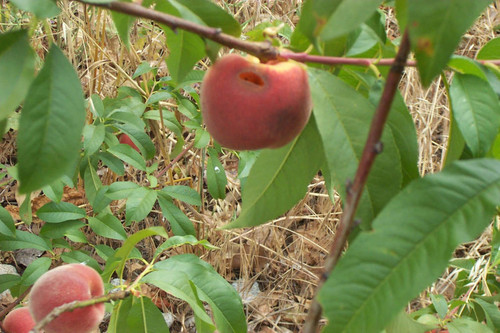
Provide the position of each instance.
(403, 132)
(464, 65)
(181, 225)
(23, 240)
(137, 314)
(183, 193)
(128, 155)
(427, 219)
(175, 241)
(404, 323)
(41, 8)
(440, 305)
(8, 281)
(123, 23)
(491, 312)
(55, 190)
(460, 325)
(212, 288)
(34, 270)
(343, 119)
(169, 120)
(490, 51)
(436, 28)
(185, 48)
(269, 191)
(216, 175)
(141, 139)
(17, 68)
(117, 261)
(213, 15)
(93, 137)
(476, 110)
(55, 212)
(178, 284)
(139, 204)
(107, 225)
(78, 257)
(347, 16)
(456, 142)
(112, 162)
(158, 96)
(51, 124)
(7, 224)
(58, 230)
(143, 68)
(121, 190)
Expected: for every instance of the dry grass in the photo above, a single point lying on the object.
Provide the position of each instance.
(283, 256)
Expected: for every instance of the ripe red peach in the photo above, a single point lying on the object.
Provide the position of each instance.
(18, 321)
(65, 284)
(248, 105)
(124, 138)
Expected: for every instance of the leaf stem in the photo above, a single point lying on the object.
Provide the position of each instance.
(372, 148)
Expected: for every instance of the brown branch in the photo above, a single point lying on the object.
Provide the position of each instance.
(14, 304)
(175, 160)
(122, 294)
(372, 148)
(263, 50)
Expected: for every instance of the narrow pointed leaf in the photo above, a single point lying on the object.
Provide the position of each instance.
(128, 155)
(476, 110)
(117, 261)
(216, 175)
(410, 245)
(55, 212)
(137, 314)
(348, 16)
(51, 124)
(185, 48)
(17, 69)
(279, 178)
(181, 225)
(7, 224)
(343, 118)
(436, 28)
(139, 204)
(107, 225)
(183, 193)
(212, 288)
(23, 240)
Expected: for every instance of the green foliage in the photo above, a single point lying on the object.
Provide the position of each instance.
(410, 225)
(435, 29)
(17, 63)
(51, 124)
(417, 224)
(137, 314)
(270, 191)
(188, 276)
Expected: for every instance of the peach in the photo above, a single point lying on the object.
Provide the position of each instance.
(18, 321)
(249, 105)
(124, 138)
(65, 284)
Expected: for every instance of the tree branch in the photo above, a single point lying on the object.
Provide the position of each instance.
(262, 50)
(78, 304)
(372, 148)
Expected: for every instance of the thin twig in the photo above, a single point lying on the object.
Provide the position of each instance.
(372, 148)
(122, 294)
(14, 304)
(175, 160)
